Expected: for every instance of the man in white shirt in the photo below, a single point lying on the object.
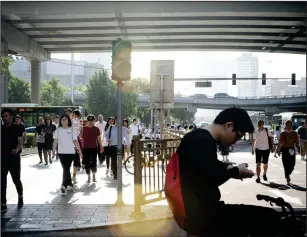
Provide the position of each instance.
(111, 137)
(101, 125)
(262, 145)
(135, 130)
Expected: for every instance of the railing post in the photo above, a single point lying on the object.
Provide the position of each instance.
(137, 213)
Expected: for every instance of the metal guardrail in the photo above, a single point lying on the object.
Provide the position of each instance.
(150, 160)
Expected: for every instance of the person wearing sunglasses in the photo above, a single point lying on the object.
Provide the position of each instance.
(91, 140)
(202, 173)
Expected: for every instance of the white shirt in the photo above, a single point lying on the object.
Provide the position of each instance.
(113, 136)
(77, 125)
(65, 138)
(101, 127)
(147, 132)
(135, 129)
(261, 137)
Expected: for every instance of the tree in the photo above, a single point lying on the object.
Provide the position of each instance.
(53, 93)
(182, 115)
(5, 63)
(19, 90)
(81, 88)
(101, 97)
(137, 85)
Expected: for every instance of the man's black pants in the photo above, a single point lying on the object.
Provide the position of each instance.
(288, 160)
(241, 220)
(10, 163)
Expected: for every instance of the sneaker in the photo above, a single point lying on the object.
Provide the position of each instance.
(46, 164)
(265, 178)
(69, 188)
(94, 179)
(258, 180)
(3, 207)
(89, 179)
(50, 161)
(40, 162)
(74, 180)
(20, 201)
(63, 190)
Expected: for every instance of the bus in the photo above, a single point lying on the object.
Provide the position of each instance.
(280, 119)
(31, 112)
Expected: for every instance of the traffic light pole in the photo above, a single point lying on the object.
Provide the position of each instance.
(119, 201)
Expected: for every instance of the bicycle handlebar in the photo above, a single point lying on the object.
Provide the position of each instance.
(277, 201)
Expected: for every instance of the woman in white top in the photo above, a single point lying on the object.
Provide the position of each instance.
(66, 138)
(127, 142)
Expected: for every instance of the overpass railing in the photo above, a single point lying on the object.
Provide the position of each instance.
(150, 160)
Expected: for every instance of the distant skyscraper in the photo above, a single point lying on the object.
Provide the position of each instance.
(247, 67)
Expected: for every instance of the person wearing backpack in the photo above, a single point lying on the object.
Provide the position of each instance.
(193, 177)
(262, 145)
(91, 138)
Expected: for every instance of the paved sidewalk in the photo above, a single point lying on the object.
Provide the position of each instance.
(49, 217)
(90, 205)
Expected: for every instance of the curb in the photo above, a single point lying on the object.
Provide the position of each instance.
(84, 227)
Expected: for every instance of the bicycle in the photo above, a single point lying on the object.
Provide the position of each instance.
(293, 222)
(146, 160)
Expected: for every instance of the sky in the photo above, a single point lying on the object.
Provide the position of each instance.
(189, 65)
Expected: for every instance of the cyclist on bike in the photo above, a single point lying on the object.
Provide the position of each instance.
(202, 174)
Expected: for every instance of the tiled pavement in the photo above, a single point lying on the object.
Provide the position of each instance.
(91, 205)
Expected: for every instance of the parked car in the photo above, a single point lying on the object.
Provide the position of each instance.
(200, 95)
(221, 95)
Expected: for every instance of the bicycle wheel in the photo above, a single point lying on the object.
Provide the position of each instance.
(230, 148)
(129, 164)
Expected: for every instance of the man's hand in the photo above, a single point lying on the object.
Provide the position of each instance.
(253, 152)
(14, 151)
(101, 149)
(80, 155)
(244, 172)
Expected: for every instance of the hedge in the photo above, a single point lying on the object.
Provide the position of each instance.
(30, 140)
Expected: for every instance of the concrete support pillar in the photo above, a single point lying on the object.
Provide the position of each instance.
(35, 81)
(4, 82)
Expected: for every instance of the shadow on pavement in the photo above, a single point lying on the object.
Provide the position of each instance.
(276, 185)
(41, 166)
(87, 189)
(297, 187)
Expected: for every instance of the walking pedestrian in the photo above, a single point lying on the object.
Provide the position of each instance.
(262, 144)
(77, 125)
(49, 131)
(287, 141)
(127, 140)
(22, 129)
(11, 144)
(41, 140)
(110, 122)
(56, 123)
(111, 137)
(277, 140)
(135, 131)
(91, 138)
(303, 142)
(66, 138)
(101, 125)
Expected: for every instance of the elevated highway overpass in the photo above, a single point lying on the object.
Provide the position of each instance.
(37, 29)
(270, 105)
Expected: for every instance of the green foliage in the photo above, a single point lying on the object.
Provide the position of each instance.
(181, 115)
(137, 85)
(19, 90)
(5, 63)
(53, 93)
(81, 88)
(101, 97)
(30, 140)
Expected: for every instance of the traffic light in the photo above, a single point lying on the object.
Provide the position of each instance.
(234, 76)
(121, 60)
(293, 79)
(263, 79)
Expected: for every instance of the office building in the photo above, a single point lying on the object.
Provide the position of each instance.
(247, 67)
